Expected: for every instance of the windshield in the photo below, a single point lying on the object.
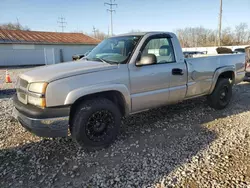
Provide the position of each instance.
(114, 50)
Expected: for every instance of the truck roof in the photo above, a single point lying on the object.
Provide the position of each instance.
(143, 33)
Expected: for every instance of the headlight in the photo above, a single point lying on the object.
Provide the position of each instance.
(37, 101)
(38, 87)
(36, 94)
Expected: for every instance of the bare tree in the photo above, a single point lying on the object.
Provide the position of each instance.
(99, 35)
(134, 31)
(241, 33)
(200, 36)
(227, 37)
(14, 26)
(197, 36)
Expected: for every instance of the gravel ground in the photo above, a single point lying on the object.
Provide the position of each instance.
(184, 145)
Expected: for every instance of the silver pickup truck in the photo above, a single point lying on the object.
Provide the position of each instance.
(123, 75)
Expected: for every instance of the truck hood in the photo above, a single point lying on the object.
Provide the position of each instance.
(58, 71)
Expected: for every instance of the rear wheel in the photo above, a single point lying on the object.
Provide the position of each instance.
(96, 123)
(221, 95)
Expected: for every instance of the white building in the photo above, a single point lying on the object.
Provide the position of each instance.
(39, 48)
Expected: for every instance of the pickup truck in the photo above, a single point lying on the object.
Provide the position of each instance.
(122, 75)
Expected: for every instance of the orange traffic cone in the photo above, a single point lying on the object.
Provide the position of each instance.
(7, 77)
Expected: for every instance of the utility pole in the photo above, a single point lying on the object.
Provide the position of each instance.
(220, 20)
(61, 22)
(94, 31)
(111, 10)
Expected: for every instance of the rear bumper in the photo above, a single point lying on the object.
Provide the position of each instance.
(240, 77)
(48, 122)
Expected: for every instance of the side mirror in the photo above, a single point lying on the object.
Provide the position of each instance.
(147, 60)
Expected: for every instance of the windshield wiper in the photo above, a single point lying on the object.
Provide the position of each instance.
(98, 58)
(102, 60)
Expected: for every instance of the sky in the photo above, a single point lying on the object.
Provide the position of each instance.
(144, 15)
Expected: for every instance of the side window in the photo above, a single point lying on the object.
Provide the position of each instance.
(162, 48)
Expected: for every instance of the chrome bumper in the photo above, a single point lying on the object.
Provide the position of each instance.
(52, 127)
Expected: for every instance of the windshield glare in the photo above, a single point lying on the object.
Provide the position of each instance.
(115, 49)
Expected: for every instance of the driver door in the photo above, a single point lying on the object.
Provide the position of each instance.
(154, 85)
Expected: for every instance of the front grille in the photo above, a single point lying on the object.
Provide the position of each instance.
(23, 83)
(22, 87)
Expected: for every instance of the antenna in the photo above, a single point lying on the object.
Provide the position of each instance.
(111, 10)
(61, 22)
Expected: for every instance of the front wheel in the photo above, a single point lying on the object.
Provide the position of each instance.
(96, 123)
(221, 95)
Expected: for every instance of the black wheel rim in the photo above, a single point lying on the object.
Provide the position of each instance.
(99, 124)
(224, 95)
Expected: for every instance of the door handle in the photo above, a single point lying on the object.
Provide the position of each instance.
(177, 71)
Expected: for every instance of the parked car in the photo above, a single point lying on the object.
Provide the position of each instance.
(123, 75)
(239, 50)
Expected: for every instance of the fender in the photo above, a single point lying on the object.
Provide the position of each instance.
(217, 73)
(80, 92)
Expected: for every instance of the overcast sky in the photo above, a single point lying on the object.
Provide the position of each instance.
(145, 15)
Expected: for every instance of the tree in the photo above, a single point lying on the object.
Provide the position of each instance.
(227, 37)
(241, 33)
(14, 26)
(197, 36)
(98, 34)
(200, 36)
(134, 31)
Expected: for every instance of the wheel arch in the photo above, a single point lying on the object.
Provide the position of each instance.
(120, 97)
(224, 72)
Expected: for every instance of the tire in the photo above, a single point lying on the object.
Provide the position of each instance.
(222, 94)
(96, 124)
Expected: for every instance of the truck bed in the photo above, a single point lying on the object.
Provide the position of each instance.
(201, 71)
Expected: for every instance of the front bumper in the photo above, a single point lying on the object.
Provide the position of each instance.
(54, 124)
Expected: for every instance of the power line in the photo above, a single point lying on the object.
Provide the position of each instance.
(61, 22)
(111, 10)
(220, 20)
